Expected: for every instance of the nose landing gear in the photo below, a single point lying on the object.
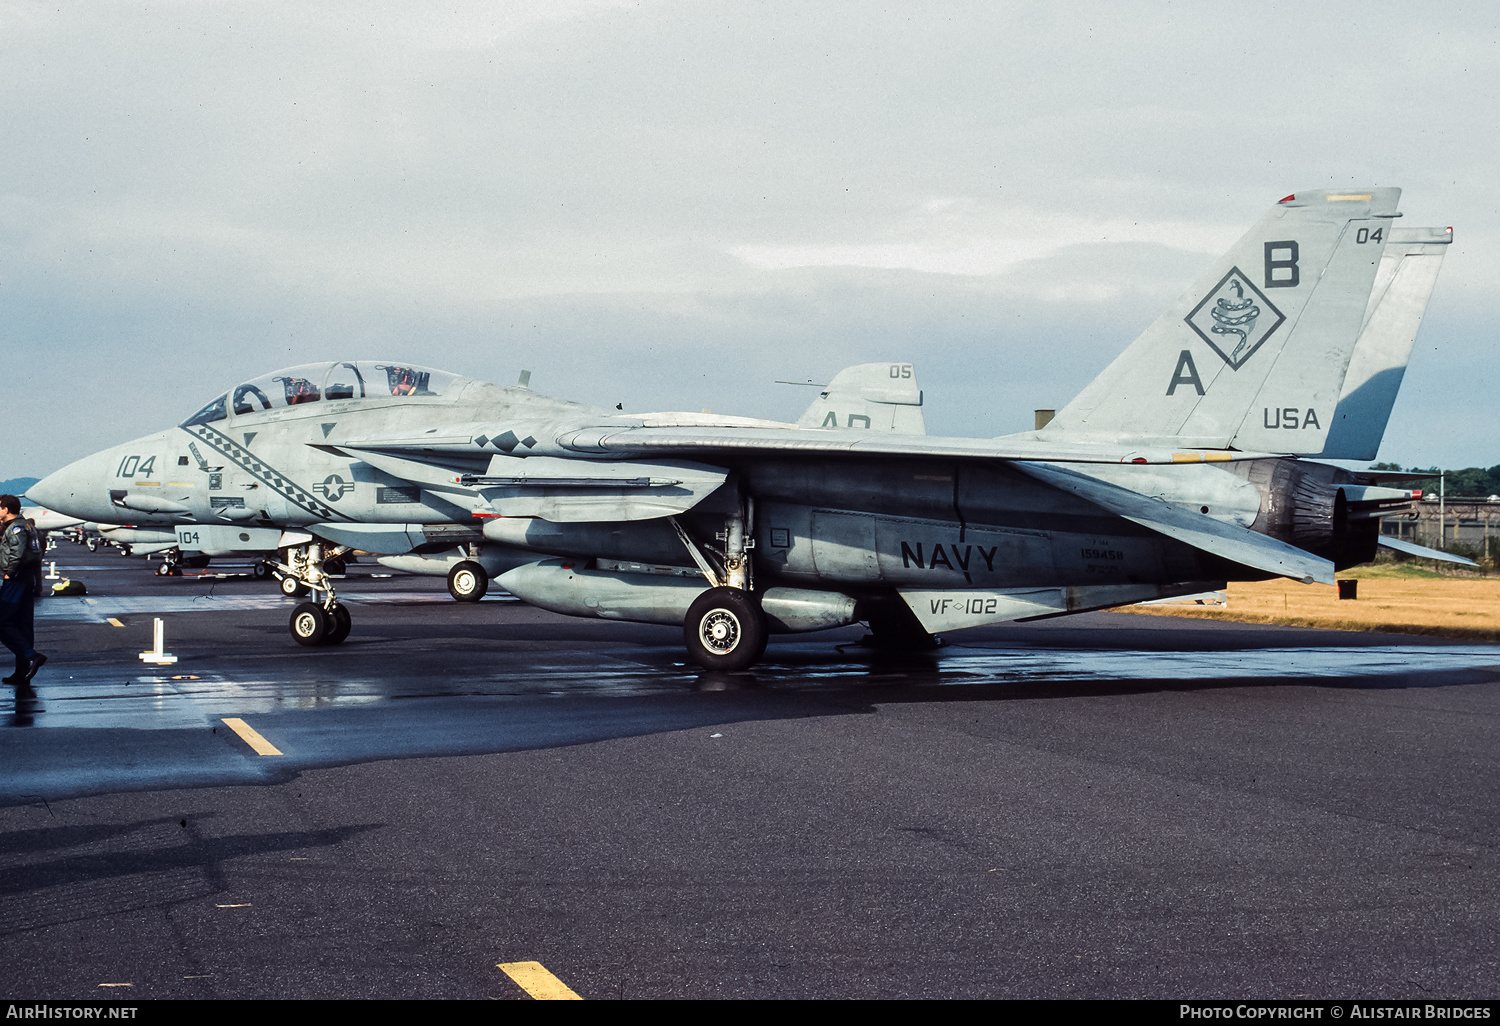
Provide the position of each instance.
(307, 568)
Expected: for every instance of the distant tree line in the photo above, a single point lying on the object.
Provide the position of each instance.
(1470, 482)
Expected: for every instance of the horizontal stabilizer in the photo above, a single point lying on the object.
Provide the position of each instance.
(1201, 532)
(1413, 549)
(1381, 477)
(1366, 501)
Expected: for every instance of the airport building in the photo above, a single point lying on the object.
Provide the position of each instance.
(1471, 521)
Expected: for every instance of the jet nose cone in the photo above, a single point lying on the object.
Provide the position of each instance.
(49, 491)
(77, 490)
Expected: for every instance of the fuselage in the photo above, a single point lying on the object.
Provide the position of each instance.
(860, 523)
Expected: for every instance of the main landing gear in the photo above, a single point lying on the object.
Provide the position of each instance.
(725, 628)
(308, 568)
(468, 581)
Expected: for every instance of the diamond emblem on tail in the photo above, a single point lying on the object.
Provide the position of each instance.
(1235, 318)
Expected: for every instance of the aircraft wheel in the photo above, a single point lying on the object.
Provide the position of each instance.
(293, 588)
(309, 624)
(260, 571)
(93, 544)
(725, 629)
(467, 582)
(124, 550)
(334, 567)
(338, 628)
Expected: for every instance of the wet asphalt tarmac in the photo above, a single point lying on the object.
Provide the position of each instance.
(1099, 806)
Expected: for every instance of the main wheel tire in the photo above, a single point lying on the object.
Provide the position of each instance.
(260, 571)
(725, 629)
(334, 567)
(468, 581)
(338, 630)
(309, 624)
(293, 588)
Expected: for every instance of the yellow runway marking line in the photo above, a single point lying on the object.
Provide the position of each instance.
(537, 981)
(115, 623)
(250, 737)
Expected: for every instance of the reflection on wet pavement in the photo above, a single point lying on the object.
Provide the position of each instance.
(129, 697)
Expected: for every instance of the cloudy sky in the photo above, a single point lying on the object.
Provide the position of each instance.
(671, 205)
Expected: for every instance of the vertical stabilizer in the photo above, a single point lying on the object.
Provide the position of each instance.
(1403, 285)
(1254, 355)
(873, 396)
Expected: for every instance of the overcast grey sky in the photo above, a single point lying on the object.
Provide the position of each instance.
(670, 205)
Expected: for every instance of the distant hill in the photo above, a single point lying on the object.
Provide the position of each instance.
(17, 485)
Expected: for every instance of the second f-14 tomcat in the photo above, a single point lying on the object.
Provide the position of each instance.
(1174, 471)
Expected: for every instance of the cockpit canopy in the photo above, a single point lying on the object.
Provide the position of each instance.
(320, 382)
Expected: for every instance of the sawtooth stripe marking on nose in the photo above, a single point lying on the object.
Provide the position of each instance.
(278, 482)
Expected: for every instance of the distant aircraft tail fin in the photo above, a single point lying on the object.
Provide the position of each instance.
(1403, 285)
(875, 396)
(1254, 355)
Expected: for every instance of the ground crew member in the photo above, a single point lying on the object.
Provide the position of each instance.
(20, 558)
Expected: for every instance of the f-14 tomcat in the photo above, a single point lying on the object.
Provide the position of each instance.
(1174, 471)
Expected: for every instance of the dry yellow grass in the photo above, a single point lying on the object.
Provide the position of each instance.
(1390, 599)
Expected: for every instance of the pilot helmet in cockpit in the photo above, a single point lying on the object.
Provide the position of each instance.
(299, 390)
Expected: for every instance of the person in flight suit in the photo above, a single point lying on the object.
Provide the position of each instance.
(20, 557)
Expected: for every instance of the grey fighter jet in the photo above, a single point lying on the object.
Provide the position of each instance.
(1176, 470)
(194, 545)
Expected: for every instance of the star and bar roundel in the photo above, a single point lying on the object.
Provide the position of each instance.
(1235, 318)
